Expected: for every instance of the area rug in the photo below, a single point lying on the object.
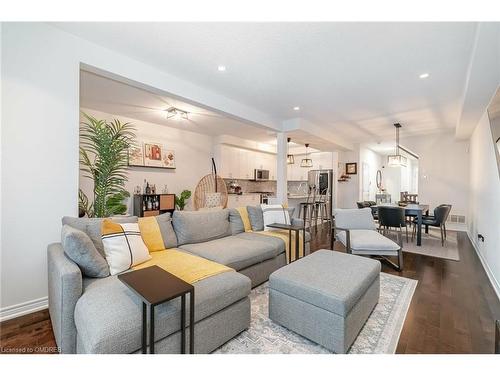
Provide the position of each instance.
(431, 245)
(380, 334)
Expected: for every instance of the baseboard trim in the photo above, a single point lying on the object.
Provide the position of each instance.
(494, 282)
(14, 311)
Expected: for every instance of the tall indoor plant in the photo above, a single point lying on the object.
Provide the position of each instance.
(104, 158)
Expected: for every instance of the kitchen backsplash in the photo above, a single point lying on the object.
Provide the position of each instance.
(298, 187)
(248, 186)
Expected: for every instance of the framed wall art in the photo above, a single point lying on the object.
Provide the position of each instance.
(156, 155)
(351, 168)
(136, 155)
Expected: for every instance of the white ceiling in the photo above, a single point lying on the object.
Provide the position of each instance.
(355, 79)
(114, 97)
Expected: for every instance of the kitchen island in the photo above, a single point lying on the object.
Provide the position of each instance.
(294, 201)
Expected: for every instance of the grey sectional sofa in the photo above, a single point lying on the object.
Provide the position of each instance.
(101, 315)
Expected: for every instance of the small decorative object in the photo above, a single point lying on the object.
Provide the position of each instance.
(306, 162)
(351, 168)
(165, 190)
(289, 157)
(180, 201)
(378, 180)
(136, 155)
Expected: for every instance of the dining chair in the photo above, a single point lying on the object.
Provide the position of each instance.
(392, 217)
(357, 231)
(439, 218)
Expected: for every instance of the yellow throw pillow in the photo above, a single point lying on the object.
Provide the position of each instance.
(123, 246)
(157, 232)
(151, 234)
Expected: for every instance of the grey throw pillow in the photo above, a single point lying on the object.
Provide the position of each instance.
(79, 248)
(256, 217)
(92, 226)
(167, 230)
(200, 226)
(235, 222)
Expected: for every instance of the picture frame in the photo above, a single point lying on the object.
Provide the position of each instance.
(351, 168)
(136, 155)
(156, 155)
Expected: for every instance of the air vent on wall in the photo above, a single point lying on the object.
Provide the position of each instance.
(459, 219)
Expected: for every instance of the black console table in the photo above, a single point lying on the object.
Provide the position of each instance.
(156, 286)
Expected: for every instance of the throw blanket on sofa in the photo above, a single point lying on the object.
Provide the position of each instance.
(187, 267)
(283, 234)
(245, 218)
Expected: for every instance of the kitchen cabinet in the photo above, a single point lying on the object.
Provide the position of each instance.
(235, 200)
(240, 163)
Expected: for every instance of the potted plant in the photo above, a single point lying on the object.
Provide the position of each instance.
(180, 201)
(104, 159)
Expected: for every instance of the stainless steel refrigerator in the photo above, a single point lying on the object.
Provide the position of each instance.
(321, 181)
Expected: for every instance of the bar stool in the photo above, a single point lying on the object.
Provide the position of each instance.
(321, 207)
(307, 208)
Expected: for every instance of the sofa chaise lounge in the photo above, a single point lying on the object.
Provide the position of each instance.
(101, 315)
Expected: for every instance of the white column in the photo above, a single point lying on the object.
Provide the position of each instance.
(281, 168)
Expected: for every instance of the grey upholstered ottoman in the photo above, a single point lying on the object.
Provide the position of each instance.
(326, 297)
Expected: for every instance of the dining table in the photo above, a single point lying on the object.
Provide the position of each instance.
(413, 210)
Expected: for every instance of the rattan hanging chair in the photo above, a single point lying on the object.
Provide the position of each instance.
(211, 191)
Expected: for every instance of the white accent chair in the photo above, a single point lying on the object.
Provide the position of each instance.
(356, 230)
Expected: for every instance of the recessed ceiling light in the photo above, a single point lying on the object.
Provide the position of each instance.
(221, 68)
(423, 76)
(296, 108)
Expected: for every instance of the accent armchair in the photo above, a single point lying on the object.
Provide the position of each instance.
(356, 230)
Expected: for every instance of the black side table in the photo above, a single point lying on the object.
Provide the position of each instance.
(156, 286)
(296, 229)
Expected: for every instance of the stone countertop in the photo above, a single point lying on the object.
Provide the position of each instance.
(297, 196)
(243, 194)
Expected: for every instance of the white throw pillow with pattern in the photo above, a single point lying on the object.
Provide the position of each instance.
(123, 246)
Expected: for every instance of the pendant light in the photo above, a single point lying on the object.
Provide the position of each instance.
(289, 157)
(306, 162)
(396, 160)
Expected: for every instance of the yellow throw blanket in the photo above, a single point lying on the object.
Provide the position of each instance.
(283, 234)
(187, 267)
(245, 218)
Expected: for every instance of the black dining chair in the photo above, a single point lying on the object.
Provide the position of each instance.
(365, 204)
(392, 217)
(439, 218)
(360, 205)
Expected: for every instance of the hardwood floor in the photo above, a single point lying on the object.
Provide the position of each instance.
(453, 309)
(454, 306)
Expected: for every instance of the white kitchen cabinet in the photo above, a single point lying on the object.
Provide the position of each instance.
(240, 163)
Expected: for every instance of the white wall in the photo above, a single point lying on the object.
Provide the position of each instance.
(193, 154)
(348, 193)
(40, 71)
(443, 170)
(484, 199)
(372, 160)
